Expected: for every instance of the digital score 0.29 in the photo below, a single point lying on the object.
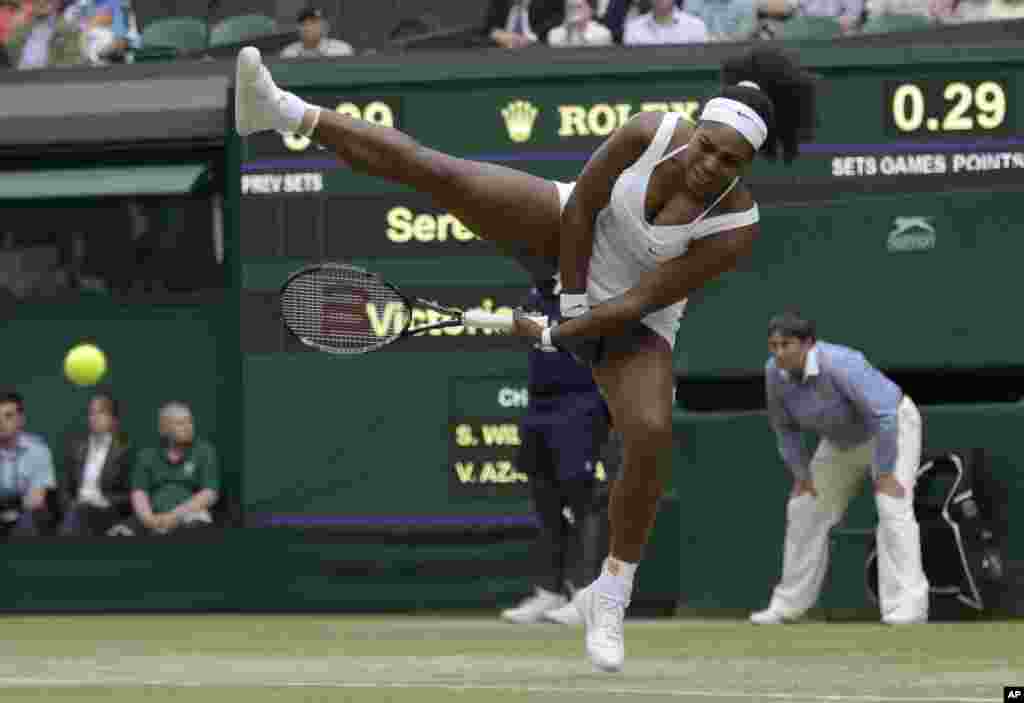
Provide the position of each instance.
(943, 109)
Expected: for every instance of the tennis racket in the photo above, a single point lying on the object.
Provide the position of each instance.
(343, 309)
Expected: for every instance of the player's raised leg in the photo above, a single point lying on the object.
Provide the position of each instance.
(517, 211)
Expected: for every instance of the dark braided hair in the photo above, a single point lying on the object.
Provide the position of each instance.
(785, 97)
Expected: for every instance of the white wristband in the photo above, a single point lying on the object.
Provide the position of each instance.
(313, 123)
(573, 304)
(545, 337)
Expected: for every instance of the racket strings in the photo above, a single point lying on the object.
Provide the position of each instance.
(345, 310)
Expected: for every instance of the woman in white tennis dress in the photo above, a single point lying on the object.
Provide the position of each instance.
(658, 211)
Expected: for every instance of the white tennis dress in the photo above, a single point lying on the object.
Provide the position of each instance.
(626, 246)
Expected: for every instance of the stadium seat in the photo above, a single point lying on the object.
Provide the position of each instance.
(234, 30)
(880, 24)
(181, 33)
(809, 27)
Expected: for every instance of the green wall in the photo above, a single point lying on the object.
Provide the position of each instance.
(309, 436)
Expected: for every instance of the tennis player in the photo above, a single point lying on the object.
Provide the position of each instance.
(658, 211)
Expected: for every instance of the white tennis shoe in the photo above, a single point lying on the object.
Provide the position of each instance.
(604, 618)
(770, 616)
(906, 616)
(257, 98)
(566, 615)
(533, 608)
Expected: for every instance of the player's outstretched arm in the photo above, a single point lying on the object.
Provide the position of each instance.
(671, 282)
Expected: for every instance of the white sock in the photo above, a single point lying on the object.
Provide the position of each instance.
(292, 109)
(616, 579)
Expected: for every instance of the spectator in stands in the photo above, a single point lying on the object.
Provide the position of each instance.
(963, 11)
(23, 421)
(665, 24)
(849, 13)
(176, 485)
(926, 8)
(47, 40)
(998, 10)
(13, 13)
(108, 29)
(616, 14)
(726, 20)
(515, 24)
(579, 27)
(313, 40)
(95, 488)
(26, 473)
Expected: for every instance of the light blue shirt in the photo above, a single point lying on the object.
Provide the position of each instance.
(832, 8)
(841, 398)
(36, 52)
(725, 19)
(120, 26)
(26, 467)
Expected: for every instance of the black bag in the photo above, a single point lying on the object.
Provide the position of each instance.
(960, 551)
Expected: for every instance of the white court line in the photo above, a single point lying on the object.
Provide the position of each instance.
(17, 682)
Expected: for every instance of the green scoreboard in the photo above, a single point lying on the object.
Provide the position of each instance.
(898, 229)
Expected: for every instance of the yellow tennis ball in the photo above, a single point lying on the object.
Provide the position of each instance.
(85, 365)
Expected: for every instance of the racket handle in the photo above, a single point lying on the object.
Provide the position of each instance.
(489, 320)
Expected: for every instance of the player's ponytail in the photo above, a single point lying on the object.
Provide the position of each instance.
(773, 84)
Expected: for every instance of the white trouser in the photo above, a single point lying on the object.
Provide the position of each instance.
(838, 475)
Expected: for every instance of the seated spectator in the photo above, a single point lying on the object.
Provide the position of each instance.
(616, 14)
(46, 40)
(579, 28)
(175, 486)
(95, 490)
(22, 421)
(108, 30)
(665, 24)
(963, 11)
(26, 473)
(13, 13)
(848, 13)
(999, 10)
(726, 20)
(925, 8)
(515, 24)
(313, 40)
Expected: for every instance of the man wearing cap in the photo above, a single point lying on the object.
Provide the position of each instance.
(313, 40)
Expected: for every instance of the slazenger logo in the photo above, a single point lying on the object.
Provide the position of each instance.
(911, 234)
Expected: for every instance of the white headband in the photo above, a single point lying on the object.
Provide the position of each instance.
(740, 117)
